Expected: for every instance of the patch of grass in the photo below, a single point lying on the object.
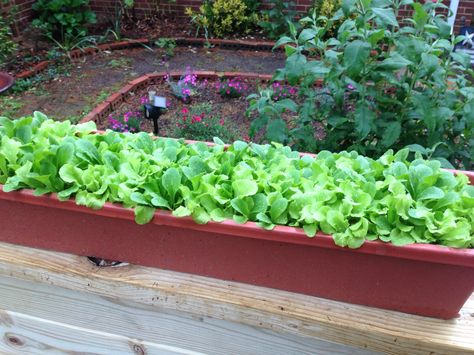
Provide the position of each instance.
(75, 119)
(123, 63)
(30, 84)
(93, 101)
(10, 105)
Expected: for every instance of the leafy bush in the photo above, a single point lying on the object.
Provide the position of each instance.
(275, 20)
(63, 20)
(270, 113)
(223, 17)
(352, 197)
(383, 84)
(198, 123)
(7, 45)
(168, 44)
(327, 8)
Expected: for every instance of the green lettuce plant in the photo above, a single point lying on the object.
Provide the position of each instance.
(350, 196)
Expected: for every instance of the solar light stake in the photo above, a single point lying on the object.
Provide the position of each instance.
(154, 109)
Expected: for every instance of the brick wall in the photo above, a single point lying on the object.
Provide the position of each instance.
(105, 9)
(21, 12)
(466, 10)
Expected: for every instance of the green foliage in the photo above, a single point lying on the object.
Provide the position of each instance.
(352, 197)
(10, 105)
(275, 20)
(270, 115)
(327, 9)
(63, 20)
(7, 45)
(123, 63)
(383, 84)
(168, 44)
(34, 83)
(198, 123)
(223, 17)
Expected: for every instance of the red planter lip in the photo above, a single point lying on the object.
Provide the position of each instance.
(284, 234)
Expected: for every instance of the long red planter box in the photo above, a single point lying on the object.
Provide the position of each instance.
(422, 279)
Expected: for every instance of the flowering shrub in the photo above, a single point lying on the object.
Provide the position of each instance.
(234, 87)
(129, 122)
(281, 91)
(186, 87)
(198, 123)
(223, 17)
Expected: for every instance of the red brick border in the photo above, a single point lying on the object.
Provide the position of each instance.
(114, 100)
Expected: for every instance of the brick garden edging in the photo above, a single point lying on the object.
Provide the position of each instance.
(105, 108)
(180, 41)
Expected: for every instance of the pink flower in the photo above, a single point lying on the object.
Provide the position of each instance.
(184, 110)
(221, 121)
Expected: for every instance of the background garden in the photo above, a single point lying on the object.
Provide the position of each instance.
(348, 75)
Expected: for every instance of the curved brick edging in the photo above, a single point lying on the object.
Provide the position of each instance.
(181, 41)
(102, 110)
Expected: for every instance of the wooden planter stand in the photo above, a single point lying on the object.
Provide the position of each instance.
(54, 302)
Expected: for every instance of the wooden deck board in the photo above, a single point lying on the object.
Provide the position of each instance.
(118, 326)
(293, 315)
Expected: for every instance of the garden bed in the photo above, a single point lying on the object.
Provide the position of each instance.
(209, 108)
(30, 65)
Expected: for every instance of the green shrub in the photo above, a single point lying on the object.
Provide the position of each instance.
(327, 8)
(63, 20)
(350, 196)
(223, 17)
(168, 44)
(275, 20)
(383, 85)
(7, 45)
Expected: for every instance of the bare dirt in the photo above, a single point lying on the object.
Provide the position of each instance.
(92, 79)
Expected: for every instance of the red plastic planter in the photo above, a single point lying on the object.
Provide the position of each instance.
(422, 279)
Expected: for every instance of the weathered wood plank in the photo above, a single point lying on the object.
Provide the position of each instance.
(284, 312)
(24, 334)
(138, 321)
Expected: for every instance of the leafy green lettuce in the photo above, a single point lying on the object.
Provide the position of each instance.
(352, 197)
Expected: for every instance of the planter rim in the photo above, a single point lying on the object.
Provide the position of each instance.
(282, 234)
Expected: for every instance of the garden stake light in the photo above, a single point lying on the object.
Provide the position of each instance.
(154, 109)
